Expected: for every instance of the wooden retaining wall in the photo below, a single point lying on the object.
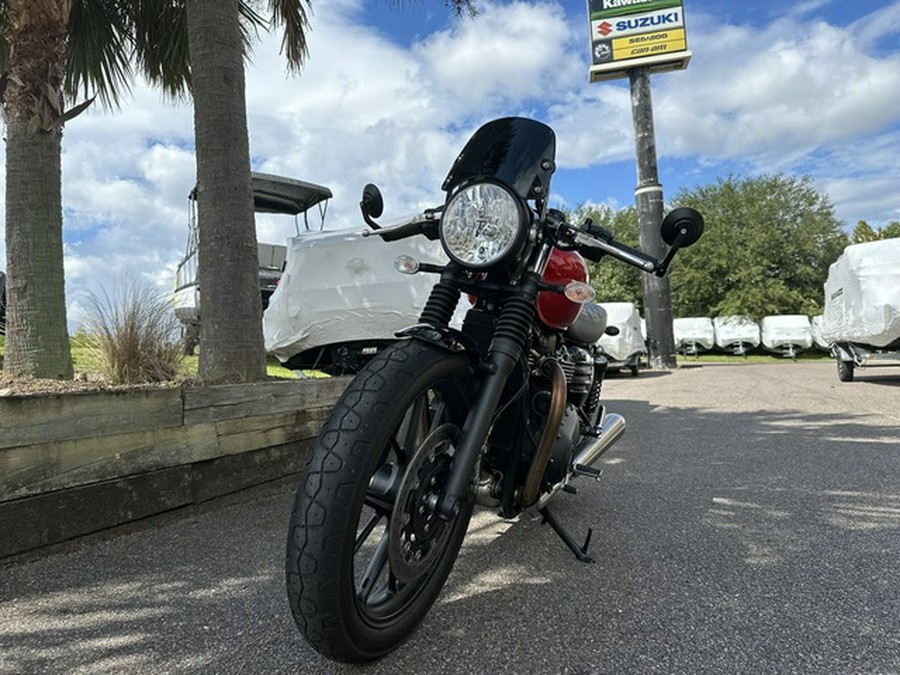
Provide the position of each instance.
(71, 464)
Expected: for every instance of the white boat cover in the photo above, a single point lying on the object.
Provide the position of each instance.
(862, 295)
(625, 317)
(819, 340)
(736, 329)
(697, 331)
(187, 304)
(781, 330)
(339, 286)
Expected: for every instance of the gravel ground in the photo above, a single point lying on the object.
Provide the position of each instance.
(747, 522)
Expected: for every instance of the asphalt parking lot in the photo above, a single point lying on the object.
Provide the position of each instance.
(747, 522)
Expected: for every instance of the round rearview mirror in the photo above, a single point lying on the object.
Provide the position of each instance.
(372, 202)
(684, 221)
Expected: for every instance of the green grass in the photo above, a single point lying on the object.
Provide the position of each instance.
(84, 361)
(753, 357)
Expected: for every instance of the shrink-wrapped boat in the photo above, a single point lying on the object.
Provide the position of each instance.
(341, 299)
(820, 342)
(625, 349)
(862, 306)
(786, 334)
(736, 334)
(693, 334)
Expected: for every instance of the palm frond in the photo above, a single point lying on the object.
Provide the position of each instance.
(251, 23)
(459, 6)
(292, 15)
(161, 44)
(99, 51)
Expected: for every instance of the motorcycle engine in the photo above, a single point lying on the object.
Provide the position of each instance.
(563, 448)
(579, 375)
(578, 366)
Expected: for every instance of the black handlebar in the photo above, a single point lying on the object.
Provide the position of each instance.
(594, 242)
(625, 250)
(402, 231)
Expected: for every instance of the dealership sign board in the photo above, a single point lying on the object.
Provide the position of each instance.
(631, 33)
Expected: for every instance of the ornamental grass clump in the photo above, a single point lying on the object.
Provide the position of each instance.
(133, 335)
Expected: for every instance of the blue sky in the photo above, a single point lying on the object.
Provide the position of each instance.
(390, 96)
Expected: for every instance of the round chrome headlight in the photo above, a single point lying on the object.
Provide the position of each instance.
(483, 224)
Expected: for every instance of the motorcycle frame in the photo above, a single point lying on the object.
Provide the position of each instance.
(508, 346)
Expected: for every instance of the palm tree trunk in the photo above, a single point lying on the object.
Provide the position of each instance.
(37, 341)
(231, 340)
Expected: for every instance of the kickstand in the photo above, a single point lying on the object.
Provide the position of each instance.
(580, 552)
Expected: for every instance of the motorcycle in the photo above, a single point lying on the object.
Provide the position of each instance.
(504, 413)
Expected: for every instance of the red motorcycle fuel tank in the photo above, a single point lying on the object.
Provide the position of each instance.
(554, 309)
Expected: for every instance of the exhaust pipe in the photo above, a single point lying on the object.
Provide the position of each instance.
(531, 490)
(591, 449)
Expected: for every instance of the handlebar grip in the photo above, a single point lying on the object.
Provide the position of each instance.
(595, 249)
(635, 252)
(402, 231)
(592, 254)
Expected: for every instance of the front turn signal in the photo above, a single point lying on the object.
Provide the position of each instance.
(579, 292)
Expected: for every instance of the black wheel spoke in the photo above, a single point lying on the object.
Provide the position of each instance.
(366, 531)
(376, 566)
(438, 415)
(379, 504)
(414, 428)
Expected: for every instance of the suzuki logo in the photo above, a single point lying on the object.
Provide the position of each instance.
(605, 28)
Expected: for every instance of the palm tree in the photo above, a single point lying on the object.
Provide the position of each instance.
(231, 339)
(52, 50)
(37, 342)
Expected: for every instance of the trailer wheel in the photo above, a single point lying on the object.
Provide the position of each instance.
(845, 370)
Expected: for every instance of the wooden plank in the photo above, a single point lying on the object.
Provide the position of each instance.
(226, 401)
(253, 433)
(34, 469)
(56, 516)
(224, 475)
(32, 420)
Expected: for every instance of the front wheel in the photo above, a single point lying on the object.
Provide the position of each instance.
(367, 555)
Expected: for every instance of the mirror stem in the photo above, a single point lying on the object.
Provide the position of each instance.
(363, 207)
(673, 249)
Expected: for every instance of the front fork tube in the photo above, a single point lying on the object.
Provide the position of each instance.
(506, 349)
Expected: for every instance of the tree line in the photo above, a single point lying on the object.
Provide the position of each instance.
(768, 244)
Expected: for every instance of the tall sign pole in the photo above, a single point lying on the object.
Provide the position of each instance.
(648, 196)
(634, 38)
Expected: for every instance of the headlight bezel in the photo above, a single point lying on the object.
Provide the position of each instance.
(513, 247)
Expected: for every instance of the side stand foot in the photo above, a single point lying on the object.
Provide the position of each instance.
(579, 551)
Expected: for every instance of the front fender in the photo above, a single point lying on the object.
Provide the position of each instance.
(445, 337)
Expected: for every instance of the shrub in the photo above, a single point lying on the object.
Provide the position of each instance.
(133, 335)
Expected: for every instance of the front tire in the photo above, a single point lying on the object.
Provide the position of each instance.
(366, 554)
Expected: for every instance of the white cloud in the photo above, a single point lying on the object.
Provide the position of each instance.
(510, 54)
(881, 23)
(779, 98)
(789, 87)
